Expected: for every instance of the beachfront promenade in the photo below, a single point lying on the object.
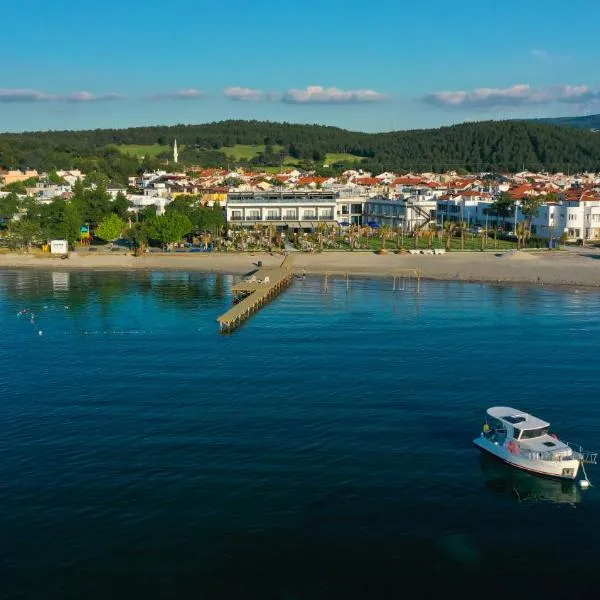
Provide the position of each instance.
(575, 267)
(257, 289)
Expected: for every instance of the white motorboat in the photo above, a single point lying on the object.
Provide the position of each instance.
(524, 441)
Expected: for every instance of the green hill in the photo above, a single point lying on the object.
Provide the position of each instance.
(484, 146)
(590, 122)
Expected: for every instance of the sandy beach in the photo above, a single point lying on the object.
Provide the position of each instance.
(569, 268)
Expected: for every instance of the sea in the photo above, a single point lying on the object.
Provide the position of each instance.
(321, 451)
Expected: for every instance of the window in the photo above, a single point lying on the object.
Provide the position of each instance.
(514, 420)
(530, 434)
(356, 208)
(516, 433)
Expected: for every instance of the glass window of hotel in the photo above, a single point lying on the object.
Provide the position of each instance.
(530, 434)
(357, 208)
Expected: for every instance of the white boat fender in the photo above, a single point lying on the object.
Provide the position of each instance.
(584, 483)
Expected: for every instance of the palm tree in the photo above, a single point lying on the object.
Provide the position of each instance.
(463, 228)
(384, 231)
(353, 232)
(431, 231)
(321, 230)
(449, 228)
(495, 230)
(522, 233)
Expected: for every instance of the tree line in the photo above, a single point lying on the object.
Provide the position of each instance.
(495, 146)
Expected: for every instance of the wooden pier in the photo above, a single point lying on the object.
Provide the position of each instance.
(261, 287)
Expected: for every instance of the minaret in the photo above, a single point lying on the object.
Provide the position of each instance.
(175, 153)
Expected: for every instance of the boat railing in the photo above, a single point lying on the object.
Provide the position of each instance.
(549, 456)
(590, 458)
(545, 456)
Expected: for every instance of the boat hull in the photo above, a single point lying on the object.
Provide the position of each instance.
(565, 469)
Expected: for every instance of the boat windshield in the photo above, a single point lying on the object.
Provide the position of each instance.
(530, 434)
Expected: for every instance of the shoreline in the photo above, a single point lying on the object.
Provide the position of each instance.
(564, 269)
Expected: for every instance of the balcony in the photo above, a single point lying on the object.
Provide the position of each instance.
(273, 218)
(253, 218)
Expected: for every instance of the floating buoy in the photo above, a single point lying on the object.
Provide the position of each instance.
(40, 332)
(584, 483)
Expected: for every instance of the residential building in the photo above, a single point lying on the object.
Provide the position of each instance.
(9, 177)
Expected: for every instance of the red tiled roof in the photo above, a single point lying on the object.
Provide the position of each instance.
(407, 180)
(309, 180)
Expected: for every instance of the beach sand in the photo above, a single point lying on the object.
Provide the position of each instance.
(545, 268)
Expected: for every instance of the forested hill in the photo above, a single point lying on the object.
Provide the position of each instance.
(489, 146)
(590, 122)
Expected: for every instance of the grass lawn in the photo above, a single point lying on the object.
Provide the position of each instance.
(333, 157)
(140, 151)
(471, 243)
(245, 151)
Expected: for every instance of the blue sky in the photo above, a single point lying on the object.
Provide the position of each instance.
(80, 64)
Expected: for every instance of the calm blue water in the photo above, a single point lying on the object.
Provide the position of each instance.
(322, 451)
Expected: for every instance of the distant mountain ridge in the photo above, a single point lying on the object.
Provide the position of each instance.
(590, 122)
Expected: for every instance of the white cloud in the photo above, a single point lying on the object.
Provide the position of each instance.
(185, 94)
(89, 97)
(24, 95)
(317, 94)
(27, 95)
(517, 95)
(242, 94)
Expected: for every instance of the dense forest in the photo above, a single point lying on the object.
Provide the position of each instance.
(590, 122)
(483, 146)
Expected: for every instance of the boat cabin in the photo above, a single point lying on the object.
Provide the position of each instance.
(518, 425)
(531, 433)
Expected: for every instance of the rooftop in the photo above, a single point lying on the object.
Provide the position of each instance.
(516, 418)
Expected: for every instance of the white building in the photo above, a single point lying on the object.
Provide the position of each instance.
(141, 201)
(285, 209)
(470, 208)
(350, 204)
(550, 222)
(406, 214)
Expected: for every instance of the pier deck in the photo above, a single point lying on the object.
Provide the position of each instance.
(261, 286)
